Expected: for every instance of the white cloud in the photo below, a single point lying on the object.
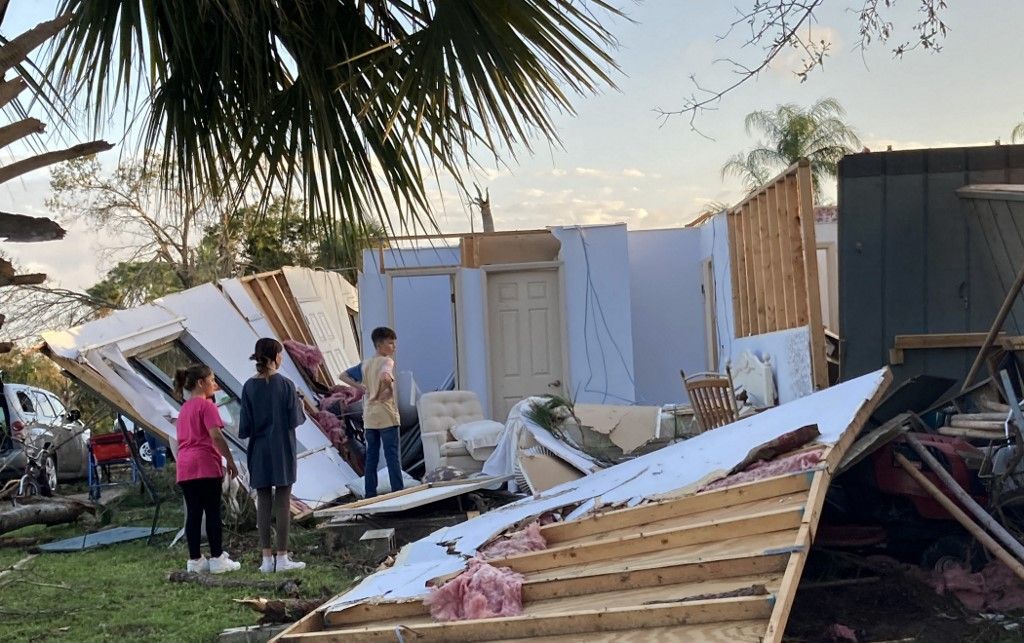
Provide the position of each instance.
(588, 171)
(558, 172)
(632, 172)
(534, 192)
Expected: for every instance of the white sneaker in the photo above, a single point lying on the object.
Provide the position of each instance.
(200, 566)
(267, 567)
(285, 564)
(223, 564)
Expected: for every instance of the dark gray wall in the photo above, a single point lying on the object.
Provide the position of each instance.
(913, 258)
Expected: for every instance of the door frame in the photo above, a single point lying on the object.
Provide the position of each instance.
(540, 266)
(708, 282)
(456, 288)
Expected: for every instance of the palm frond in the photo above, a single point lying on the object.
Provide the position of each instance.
(353, 105)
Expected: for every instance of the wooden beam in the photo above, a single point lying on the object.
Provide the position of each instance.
(23, 228)
(736, 268)
(16, 169)
(940, 340)
(980, 534)
(642, 542)
(31, 279)
(562, 532)
(819, 366)
(547, 625)
(19, 130)
(796, 248)
(17, 49)
(9, 89)
(785, 254)
(750, 278)
(760, 312)
(777, 258)
(787, 591)
(770, 304)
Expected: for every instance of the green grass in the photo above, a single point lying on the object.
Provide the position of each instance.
(120, 592)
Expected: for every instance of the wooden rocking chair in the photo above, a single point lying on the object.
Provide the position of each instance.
(712, 397)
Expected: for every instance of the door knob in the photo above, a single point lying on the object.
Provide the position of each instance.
(555, 384)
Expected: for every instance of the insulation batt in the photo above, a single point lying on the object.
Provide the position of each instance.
(309, 357)
(331, 426)
(520, 542)
(792, 463)
(482, 591)
(995, 588)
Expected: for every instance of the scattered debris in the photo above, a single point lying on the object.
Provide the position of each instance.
(801, 461)
(103, 538)
(995, 587)
(43, 511)
(281, 610)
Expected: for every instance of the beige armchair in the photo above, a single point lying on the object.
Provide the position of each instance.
(454, 431)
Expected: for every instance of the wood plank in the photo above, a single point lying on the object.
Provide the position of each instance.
(669, 508)
(770, 544)
(759, 313)
(732, 632)
(680, 579)
(798, 499)
(776, 258)
(746, 283)
(796, 248)
(819, 366)
(653, 576)
(594, 620)
(940, 340)
(765, 267)
(973, 434)
(787, 592)
(701, 532)
(786, 252)
(736, 267)
(749, 225)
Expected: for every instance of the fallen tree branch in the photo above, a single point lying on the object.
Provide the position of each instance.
(281, 610)
(43, 511)
(6, 576)
(289, 586)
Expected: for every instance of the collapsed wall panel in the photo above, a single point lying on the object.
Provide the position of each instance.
(129, 358)
(656, 558)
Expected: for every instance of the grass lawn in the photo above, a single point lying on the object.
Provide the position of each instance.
(120, 592)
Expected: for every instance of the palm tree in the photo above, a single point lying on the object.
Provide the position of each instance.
(355, 104)
(1017, 136)
(790, 133)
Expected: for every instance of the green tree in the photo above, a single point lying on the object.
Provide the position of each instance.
(351, 104)
(791, 132)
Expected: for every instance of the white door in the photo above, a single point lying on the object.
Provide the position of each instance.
(525, 337)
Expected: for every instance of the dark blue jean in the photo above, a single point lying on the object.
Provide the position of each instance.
(389, 438)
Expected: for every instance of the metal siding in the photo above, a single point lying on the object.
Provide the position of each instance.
(914, 259)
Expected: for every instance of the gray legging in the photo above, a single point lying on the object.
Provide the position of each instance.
(278, 498)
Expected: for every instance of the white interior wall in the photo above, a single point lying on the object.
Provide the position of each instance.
(667, 311)
(597, 313)
(473, 365)
(421, 312)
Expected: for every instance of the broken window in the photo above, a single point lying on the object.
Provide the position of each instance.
(26, 403)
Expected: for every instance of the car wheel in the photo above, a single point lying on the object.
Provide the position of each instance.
(146, 452)
(48, 483)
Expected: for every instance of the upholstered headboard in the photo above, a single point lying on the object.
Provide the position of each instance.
(441, 410)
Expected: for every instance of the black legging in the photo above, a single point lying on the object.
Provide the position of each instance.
(202, 496)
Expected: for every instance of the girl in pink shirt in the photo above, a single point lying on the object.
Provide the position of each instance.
(199, 469)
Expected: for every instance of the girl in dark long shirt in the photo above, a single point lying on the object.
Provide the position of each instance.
(271, 410)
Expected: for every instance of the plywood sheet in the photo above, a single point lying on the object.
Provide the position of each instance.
(628, 427)
(543, 471)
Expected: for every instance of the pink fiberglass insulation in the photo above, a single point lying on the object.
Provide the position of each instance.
(309, 357)
(520, 542)
(343, 395)
(331, 426)
(995, 588)
(802, 461)
(482, 591)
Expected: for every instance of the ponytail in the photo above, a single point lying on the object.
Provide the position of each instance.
(265, 354)
(186, 379)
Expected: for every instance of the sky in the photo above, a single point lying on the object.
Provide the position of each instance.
(619, 161)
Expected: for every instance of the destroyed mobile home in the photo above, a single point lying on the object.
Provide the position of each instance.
(552, 363)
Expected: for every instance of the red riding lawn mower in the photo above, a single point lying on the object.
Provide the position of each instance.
(876, 505)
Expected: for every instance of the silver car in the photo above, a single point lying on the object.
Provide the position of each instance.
(36, 417)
